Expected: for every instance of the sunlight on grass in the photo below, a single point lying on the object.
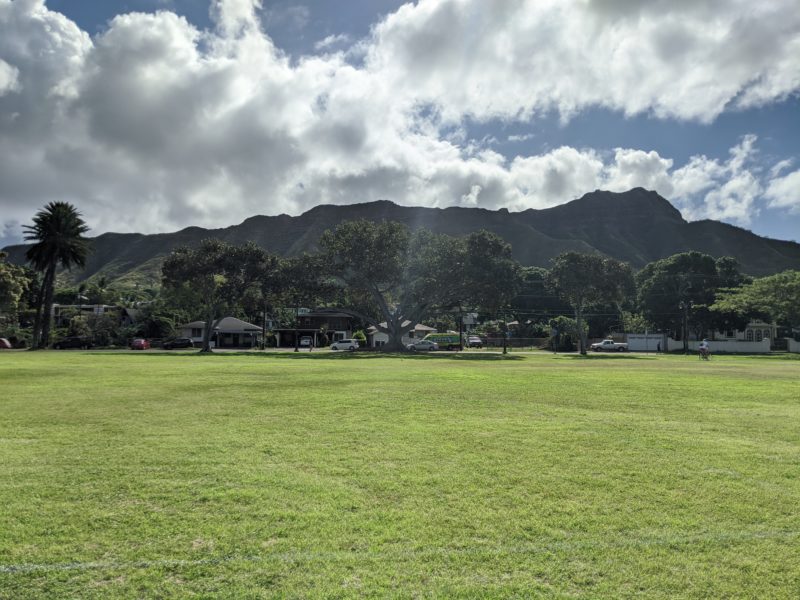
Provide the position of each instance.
(319, 474)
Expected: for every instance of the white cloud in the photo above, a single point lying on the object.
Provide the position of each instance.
(332, 40)
(154, 125)
(784, 192)
(708, 188)
(9, 78)
(514, 58)
(234, 16)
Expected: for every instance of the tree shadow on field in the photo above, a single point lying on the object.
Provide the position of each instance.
(336, 356)
(618, 356)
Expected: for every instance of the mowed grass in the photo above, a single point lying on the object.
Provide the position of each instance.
(330, 475)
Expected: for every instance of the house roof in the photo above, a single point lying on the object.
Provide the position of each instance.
(417, 327)
(226, 324)
(324, 312)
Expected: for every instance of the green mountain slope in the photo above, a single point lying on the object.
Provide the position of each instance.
(637, 226)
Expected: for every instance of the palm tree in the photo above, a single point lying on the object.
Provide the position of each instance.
(58, 232)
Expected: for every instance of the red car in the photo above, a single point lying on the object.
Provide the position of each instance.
(5, 344)
(140, 344)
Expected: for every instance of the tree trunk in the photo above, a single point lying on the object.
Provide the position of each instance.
(396, 332)
(37, 320)
(211, 323)
(47, 307)
(581, 332)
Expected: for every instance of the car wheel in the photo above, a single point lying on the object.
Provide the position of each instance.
(621, 350)
(352, 348)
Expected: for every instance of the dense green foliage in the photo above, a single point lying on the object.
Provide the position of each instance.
(215, 276)
(677, 293)
(585, 280)
(405, 277)
(321, 475)
(13, 283)
(777, 297)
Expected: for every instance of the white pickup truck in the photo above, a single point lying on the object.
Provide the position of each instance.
(609, 346)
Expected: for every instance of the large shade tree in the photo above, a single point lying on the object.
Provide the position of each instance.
(57, 233)
(776, 297)
(401, 277)
(586, 280)
(676, 293)
(215, 276)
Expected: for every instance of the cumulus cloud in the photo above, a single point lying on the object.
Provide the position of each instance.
(516, 58)
(154, 124)
(784, 192)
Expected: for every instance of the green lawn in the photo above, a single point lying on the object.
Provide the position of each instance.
(333, 475)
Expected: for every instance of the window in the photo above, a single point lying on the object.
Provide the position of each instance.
(749, 335)
(729, 333)
(758, 335)
(766, 334)
(196, 332)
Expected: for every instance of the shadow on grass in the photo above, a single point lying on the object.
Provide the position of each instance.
(341, 355)
(609, 356)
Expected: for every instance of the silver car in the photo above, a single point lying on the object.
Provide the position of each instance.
(344, 345)
(422, 346)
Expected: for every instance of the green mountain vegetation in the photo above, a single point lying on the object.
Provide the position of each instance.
(637, 226)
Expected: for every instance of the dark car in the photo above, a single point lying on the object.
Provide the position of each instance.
(178, 343)
(73, 342)
(474, 341)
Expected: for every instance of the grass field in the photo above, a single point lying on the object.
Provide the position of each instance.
(331, 475)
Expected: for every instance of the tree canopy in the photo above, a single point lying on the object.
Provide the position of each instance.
(585, 280)
(215, 275)
(684, 286)
(13, 283)
(776, 297)
(403, 276)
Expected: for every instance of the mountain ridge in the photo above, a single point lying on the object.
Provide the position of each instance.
(637, 226)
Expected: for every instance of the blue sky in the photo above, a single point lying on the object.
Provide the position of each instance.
(152, 115)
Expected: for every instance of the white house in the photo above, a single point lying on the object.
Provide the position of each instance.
(376, 338)
(230, 332)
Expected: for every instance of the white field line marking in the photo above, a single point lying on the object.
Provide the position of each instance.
(291, 557)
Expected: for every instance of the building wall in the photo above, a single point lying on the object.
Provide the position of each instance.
(793, 345)
(731, 346)
(640, 342)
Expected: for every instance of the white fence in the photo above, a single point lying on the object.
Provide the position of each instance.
(793, 346)
(650, 342)
(732, 346)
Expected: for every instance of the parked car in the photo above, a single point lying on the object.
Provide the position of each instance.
(423, 346)
(345, 345)
(306, 341)
(73, 342)
(609, 346)
(140, 344)
(5, 344)
(448, 341)
(178, 343)
(474, 341)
